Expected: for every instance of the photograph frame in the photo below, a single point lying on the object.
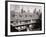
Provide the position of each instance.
(6, 18)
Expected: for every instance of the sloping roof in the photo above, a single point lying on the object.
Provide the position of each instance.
(29, 16)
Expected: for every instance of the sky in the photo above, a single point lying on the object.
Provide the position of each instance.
(17, 8)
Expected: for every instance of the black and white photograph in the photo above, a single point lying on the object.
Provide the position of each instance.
(25, 18)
